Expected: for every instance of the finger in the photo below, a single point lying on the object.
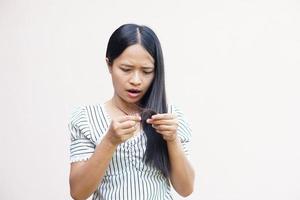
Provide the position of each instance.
(163, 116)
(136, 118)
(159, 122)
(125, 137)
(164, 127)
(129, 131)
(165, 133)
(127, 124)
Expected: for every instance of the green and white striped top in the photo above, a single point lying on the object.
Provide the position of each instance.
(127, 176)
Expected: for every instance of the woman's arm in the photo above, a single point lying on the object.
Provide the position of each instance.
(182, 174)
(85, 176)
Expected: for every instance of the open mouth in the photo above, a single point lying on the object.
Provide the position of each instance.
(133, 93)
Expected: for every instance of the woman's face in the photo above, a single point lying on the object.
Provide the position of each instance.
(132, 73)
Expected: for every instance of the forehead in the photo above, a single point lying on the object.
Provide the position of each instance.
(135, 55)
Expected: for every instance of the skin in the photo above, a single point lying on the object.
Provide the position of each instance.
(133, 69)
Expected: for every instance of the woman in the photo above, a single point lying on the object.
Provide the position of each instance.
(132, 146)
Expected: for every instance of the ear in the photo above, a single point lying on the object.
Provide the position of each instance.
(109, 64)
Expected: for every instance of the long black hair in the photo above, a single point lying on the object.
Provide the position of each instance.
(154, 100)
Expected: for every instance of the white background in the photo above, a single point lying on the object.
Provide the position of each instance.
(231, 66)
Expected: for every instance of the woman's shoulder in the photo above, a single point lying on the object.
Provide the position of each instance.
(90, 119)
(184, 129)
(174, 108)
(85, 110)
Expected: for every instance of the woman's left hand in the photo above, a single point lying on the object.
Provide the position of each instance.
(166, 124)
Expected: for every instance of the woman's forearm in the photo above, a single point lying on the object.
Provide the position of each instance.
(182, 174)
(86, 176)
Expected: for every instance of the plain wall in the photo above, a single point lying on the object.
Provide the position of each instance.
(231, 66)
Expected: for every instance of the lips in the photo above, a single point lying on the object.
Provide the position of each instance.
(133, 93)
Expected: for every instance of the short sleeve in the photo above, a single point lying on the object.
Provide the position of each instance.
(184, 131)
(81, 146)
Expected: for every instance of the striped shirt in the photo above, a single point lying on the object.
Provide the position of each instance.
(127, 176)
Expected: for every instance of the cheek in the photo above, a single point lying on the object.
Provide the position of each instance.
(149, 81)
(152, 78)
(118, 76)
(118, 81)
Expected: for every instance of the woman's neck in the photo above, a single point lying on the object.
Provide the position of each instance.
(124, 107)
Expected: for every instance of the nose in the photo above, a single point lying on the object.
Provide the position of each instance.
(135, 79)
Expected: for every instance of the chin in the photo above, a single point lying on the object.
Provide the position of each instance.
(133, 101)
(129, 100)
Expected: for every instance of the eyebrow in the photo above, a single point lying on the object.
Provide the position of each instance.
(144, 67)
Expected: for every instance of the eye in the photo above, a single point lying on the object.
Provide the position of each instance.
(125, 69)
(148, 72)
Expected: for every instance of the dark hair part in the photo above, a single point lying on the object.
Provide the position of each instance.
(154, 100)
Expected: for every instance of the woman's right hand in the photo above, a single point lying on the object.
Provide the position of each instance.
(122, 128)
